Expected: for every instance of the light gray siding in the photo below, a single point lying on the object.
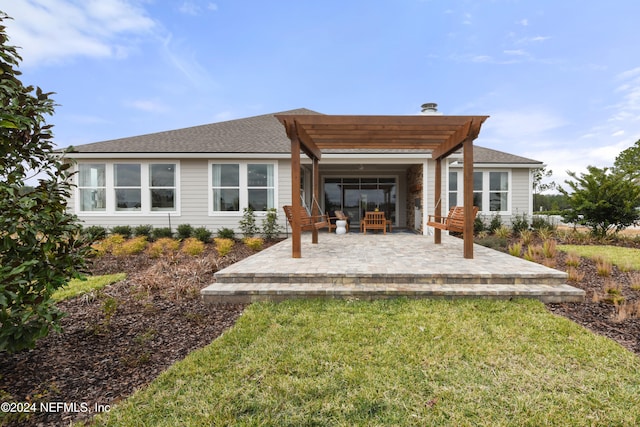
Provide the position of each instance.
(193, 197)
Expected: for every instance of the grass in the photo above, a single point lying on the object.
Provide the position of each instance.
(77, 287)
(626, 258)
(395, 362)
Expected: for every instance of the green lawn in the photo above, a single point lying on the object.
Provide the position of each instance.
(77, 287)
(395, 362)
(627, 258)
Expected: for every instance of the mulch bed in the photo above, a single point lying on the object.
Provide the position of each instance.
(118, 340)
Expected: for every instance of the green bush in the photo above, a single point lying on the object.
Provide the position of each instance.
(270, 227)
(495, 223)
(143, 230)
(479, 225)
(519, 223)
(202, 234)
(42, 245)
(161, 233)
(226, 233)
(185, 231)
(95, 232)
(248, 223)
(123, 230)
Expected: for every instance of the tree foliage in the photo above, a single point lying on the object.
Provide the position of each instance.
(603, 199)
(628, 161)
(41, 247)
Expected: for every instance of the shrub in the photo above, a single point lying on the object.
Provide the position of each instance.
(575, 275)
(515, 249)
(502, 232)
(162, 233)
(192, 246)
(549, 248)
(495, 223)
(539, 222)
(526, 236)
(143, 230)
(42, 243)
(202, 234)
(603, 267)
(519, 223)
(572, 260)
(226, 233)
(255, 243)
(107, 244)
(546, 233)
(123, 230)
(493, 242)
(163, 246)
(223, 246)
(478, 225)
(533, 252)
(248, 223)
(185, 231)
(634, 280)
(95, 232)
(131, 246)
(270, 227)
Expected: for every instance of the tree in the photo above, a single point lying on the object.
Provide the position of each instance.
(41, 246)
(628, 161)
(538, 186)
(603, 200)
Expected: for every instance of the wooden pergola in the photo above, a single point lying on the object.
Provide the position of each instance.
(442, 135)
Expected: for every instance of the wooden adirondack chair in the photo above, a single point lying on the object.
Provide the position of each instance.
(454, 221)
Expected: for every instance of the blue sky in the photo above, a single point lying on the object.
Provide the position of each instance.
(559, 78)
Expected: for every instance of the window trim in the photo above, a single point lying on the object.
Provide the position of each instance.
(145, 189)
(243, 185)
(486, 190)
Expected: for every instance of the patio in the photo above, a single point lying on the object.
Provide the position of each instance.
(374, 266)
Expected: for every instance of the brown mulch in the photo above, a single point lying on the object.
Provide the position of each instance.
(118, 340)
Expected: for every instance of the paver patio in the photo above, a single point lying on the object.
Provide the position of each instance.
(374, 266)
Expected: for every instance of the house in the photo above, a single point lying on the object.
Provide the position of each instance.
(206, 175)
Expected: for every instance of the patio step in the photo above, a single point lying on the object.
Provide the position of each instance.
(547, 278)
(219, 293)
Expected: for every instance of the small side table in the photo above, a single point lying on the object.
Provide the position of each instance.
(341, 227)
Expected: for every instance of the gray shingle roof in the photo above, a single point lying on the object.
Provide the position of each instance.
(258, 134)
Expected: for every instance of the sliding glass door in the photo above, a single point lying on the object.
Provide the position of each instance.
(355, 196)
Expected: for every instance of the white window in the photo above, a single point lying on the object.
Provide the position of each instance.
(92, 187)
(162, 187)
(236, 186)
(491, 190)
(128, 187)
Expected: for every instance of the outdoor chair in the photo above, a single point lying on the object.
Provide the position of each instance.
(374, 221)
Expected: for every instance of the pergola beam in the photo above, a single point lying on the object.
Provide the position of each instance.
(442, 135)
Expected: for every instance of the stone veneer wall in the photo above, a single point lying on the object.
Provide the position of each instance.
(414, 191)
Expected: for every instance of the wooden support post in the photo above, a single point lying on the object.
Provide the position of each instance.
(315, 207)
(437, 197)
(296, 243)
(468, 198)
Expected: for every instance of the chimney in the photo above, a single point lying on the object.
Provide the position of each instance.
(430, 109)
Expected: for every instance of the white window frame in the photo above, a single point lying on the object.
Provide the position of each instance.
(486, 202)
(244, 187)
(145, 189)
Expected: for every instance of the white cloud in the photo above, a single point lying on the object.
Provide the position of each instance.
(148, 105)
(189, 8)
(52, 31)
(524, 22)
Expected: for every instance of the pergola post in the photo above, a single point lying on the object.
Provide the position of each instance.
(437, 197)
(469, 218)
(296, 204)
(315, 207)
